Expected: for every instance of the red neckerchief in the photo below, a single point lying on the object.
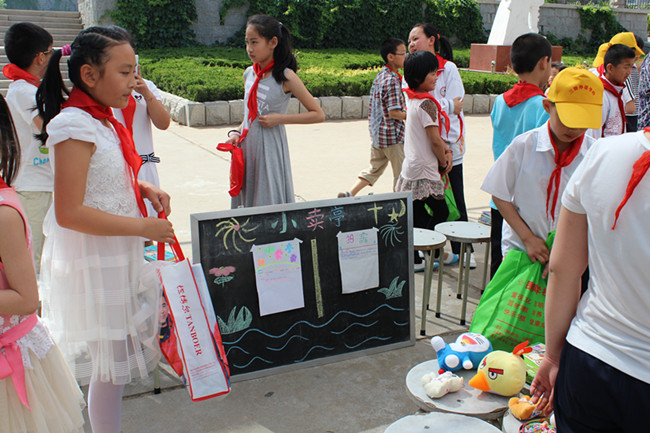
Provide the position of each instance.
(395, 71)
(80, 99)
(601, 70)
(3, 183)
(128, 113)
(522, 91)
(639, 169)
(252, 94)
(621, 107)
(441, 64)
(441, 114)
(14, 73)
(561, 160)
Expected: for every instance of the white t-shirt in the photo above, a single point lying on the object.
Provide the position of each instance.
(612, 321)
(521, 176)
(419, 160)
(143, 137)
(612, 122)
(35, 172)
(448, 87)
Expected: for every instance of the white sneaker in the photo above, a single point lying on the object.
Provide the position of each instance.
(472, 262)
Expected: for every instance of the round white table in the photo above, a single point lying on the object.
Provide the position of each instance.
(466, 233)
(467, 401)
(440, 422)
(428, 241)
(510, 424)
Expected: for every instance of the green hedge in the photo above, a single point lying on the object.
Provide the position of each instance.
(212, 74)
(364, 23)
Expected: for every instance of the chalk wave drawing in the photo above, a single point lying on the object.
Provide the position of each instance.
(278, 349)
(313, 326)
(400, 324)
(222, 274)
(350, 346)
(238, 348)
(231, 230)
(235, 324)
(394, 290)
(310, 350)
(355, 324)
(390, 233)
(251, 361)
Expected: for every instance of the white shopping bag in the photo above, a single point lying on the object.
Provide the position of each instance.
(204, 361)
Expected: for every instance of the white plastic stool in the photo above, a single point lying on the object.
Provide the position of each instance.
(427, 241)
(466, 233)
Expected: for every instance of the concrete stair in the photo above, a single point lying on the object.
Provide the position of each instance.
(63, 26)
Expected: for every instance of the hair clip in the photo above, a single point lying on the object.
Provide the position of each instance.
(66, 50)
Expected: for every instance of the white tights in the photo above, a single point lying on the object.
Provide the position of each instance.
(105, 407)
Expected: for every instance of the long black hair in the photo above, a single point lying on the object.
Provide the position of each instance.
(268, 27)
(90, 47)
(9, 148)
(441, 44)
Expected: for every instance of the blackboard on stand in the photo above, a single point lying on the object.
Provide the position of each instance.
(332, 325)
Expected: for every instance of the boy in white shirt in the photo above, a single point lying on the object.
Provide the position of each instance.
(529, 176)
(29, 48)
(617, 66)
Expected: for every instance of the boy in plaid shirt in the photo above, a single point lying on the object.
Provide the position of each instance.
(386, 115)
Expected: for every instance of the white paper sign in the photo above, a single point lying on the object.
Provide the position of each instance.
(359, 260)
(278, 274)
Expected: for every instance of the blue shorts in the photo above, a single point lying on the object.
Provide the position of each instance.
(591, 396)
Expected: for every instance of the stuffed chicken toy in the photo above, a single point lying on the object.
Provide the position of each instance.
(501, 372)
(466, 352)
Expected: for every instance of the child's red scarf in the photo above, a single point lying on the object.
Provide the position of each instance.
(561, 160)
(621, 107)
(441, 64)
(522, 91)
(80, 99)
(639, 169)
(15, 73)
(395, 71)
(441, 114)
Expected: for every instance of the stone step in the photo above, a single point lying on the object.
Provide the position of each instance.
(36, 13)
(49, 25)
(54, 31)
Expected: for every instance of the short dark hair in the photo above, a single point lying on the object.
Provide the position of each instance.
(389, 46)
(417, 66)
(526, 51)
(617, 53)
(639, 41)
(23, 42)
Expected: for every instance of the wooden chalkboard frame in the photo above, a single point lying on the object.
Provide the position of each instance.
(198, 218)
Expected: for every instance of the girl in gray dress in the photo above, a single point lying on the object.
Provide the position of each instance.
(269, 84)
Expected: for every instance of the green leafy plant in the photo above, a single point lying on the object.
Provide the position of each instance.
(157, 23)
(602, 23)
(459, 19)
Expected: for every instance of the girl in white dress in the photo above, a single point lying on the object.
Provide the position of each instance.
(102, 318)
(37, 391)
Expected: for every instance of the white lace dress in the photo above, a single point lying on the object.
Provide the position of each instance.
(101, 317)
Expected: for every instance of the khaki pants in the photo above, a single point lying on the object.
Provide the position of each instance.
(379, 159)
(36, 204)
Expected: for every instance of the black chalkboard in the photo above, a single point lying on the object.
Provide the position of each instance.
(331, 325)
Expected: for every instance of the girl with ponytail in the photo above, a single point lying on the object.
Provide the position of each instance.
(264, 176)
(102, 319)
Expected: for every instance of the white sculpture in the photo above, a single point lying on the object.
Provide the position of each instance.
(514, 18)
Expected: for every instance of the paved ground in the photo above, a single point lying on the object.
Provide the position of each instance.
(360, 395)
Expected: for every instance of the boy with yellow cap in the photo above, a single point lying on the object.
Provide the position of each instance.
(528, 178)
(613, 65)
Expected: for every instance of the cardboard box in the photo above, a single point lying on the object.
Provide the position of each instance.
(533, 360)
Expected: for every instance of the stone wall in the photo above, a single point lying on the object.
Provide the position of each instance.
(43, 5)
(563, 21)
(207, 28)
(93, 12)
(215, 113)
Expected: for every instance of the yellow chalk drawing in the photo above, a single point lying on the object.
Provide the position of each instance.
(319, 296)
(233, 231)
(394, 215)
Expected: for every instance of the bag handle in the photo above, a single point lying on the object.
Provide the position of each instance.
(176, 248)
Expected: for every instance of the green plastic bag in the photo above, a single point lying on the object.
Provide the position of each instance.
(454, 213)
(511, 309)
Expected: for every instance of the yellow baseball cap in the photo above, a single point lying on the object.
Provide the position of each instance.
(578, 97)
(625, 38)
